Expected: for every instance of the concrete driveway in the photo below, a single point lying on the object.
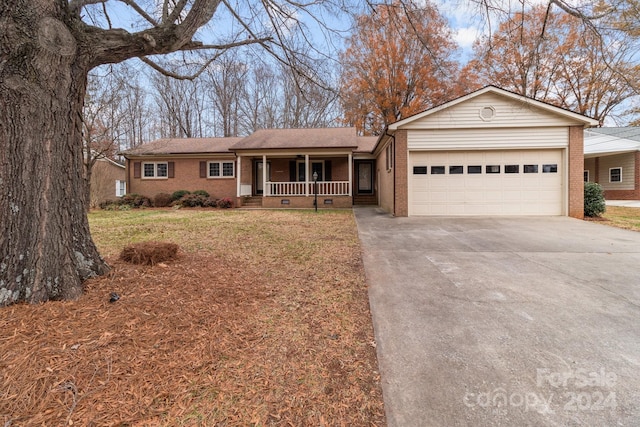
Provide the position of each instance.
(504, 321)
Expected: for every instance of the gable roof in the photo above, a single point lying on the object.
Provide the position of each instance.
(183, 146)
(612, 140)
(366, 144)
(502, 92)
(268, 139)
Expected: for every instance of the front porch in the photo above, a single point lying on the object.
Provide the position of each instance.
(280, 181)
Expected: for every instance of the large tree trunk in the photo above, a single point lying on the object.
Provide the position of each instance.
(46, 250)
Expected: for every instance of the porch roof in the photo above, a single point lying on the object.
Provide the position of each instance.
(183, 146)
(274, 139)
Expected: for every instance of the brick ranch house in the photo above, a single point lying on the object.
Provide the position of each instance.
(490, 152)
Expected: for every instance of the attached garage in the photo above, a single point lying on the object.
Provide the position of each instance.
(498, 182)
(491, 152)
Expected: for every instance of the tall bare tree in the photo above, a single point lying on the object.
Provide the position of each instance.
(47, 49)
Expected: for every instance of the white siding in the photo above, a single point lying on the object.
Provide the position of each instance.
(624, 161)
(510, 138)
(508, 113)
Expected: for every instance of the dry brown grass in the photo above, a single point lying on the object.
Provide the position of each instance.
(623, 217)
(262, 320)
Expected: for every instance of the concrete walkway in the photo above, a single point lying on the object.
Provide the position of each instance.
(627, 203)
(504, 321)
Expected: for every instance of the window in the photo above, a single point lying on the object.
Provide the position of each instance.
(121, 188)
(551, 168)
(389, 156)
(586, 176)
(437, 170)
(456, 170)
(615, 175)
(155, 170)
(530, 168)
(492, 169)
(474, 169)
(511, 168)
(221, 169)
(419, 170)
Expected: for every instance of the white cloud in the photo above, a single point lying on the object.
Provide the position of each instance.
(466, 36)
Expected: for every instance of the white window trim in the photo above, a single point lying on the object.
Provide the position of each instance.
(221, 168)
(155, 170)
(588, 175)
(615, 182)
(121, 188)
(389, 155)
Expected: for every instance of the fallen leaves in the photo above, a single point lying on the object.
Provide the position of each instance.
(216, 337)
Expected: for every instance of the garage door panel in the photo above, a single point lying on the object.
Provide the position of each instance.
(487, 194)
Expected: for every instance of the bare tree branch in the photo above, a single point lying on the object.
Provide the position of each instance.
(177, 76)
(76, 5)
(140, 11)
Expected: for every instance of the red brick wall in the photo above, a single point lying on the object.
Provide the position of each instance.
(400, 173)
(576, 170)
(384, 181)
(187, 177)
(307, 202)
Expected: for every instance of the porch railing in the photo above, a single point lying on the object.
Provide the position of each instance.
(325, 188)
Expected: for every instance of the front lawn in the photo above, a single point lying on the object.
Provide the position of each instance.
(262, 320)
(623, 217)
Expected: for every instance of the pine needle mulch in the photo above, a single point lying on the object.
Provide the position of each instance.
(263, 319)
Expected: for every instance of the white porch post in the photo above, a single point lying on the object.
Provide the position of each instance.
(265, 191)
(350, 173)
(239, 176)
(306, 175)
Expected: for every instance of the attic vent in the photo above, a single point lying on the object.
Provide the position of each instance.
(487, 113)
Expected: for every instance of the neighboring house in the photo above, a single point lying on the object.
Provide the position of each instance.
(107, 181)
(491, 152)
(612, 159)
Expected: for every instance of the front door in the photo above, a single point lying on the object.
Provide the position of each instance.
(257, 176)
(364, 177)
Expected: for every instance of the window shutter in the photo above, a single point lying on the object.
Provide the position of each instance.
(327, 170)
(171, 169)
(203, 169)
(137, 166)
(117, 188)
(292, 171)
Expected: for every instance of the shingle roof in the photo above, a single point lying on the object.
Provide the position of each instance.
(628, 132)
(183, 146)
(266, 139)
(611, 140)
(366, 144)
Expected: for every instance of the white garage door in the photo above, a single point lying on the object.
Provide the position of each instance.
(493, 182)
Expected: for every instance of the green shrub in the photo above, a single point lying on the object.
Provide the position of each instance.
(594, 204)
(162, 200)
(135, 201)
(177, 195)
(210, 202)
(201, 193)
(191, 200)
(225, 203)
